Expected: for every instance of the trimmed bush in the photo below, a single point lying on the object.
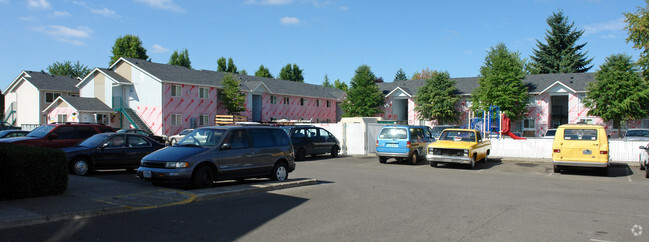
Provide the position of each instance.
(31, 171)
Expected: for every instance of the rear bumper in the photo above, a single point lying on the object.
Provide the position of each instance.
(386, 154)
(580, 163)
(448, 159)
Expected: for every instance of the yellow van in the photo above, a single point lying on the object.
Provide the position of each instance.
(580, 145)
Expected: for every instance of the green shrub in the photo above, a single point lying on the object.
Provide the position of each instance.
(31, 171)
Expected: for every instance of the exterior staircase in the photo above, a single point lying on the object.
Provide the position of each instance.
(135, 119)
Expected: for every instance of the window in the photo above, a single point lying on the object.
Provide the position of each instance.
(62, 118)
(136, 141)
(286, 100)
(301, 101)
(176, 120)
(529, 124)
(328, 103)
(176, 90)
(531, 101)
(116, 141)
(273, 99)
(586, 121)
(203, 120)
(203, 92)
(51, 96)
(64, 132)
(580, 134)
(317, 102)
(262, 137)
(237, 139)
(85, 132)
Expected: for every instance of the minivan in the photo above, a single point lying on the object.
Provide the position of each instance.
(403, 142)
(311, 140)
(580, 145)
(210, 154)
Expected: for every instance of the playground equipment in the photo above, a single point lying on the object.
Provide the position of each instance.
(492, 123)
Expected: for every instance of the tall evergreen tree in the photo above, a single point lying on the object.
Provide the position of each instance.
(221, 65)
(231, 67)
(437, 98)
(68, 68)
(341, 85)
(618, 93)
(501, 83)
(233, 99)
(326, 82)
(180, 59)
(263, 72)
(638, 28)
(364, 99)
(128, 46)
(560, 53)
(401, 75)
(291, 73)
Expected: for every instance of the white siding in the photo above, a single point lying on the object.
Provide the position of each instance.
(88, 90)
(28, 109)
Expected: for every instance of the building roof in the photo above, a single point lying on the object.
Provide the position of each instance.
(179, 74)
(82, 104)
(115, 76)
(536, 83)
(46, 82)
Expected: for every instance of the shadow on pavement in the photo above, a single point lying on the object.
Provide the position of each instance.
(615, 170)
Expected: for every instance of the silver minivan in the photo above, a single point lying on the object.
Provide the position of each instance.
(221, 153)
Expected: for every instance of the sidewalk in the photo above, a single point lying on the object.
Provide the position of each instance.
(91, 196)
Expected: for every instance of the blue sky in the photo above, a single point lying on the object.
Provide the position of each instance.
(330, 37)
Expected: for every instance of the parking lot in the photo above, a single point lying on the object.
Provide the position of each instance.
(357, 198)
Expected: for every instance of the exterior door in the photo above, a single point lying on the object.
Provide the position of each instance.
(235, 156)
(256, 108)
(111, 152)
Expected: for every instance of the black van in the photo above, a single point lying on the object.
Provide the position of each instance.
(311, 140)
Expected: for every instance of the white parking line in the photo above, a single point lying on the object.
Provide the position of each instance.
(628, 174)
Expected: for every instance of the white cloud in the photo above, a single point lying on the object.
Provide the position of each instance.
(4, 1)
(156, 48)
(319, 4)
(613, 25)
(343, 8)
(106, 12)
(289, 21)
(26, 18)
(163, 4)
(66, 34)
(268, 2)
(38, 4)
(61, 13)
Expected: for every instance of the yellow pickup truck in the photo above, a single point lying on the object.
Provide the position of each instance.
(463, 146)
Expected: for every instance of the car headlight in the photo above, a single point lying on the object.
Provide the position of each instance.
(466, 152)
(179, 164)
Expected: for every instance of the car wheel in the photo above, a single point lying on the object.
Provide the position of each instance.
(203, 177)
(280, 173)
(334, 151)
(413, 158)
(486, 159)
(81, 167)
(383, 160)
(433, 164)
(301, 154)
(172, 142)
(642, 166)
(472, 165)
(646, 172)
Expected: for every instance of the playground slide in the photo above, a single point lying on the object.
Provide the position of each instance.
(507, 128)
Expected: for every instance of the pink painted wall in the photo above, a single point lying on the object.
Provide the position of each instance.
(295, 111)
(189, 105)
(53, 115)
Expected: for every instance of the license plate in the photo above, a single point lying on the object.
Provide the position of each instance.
(146, 174)
(391, 145)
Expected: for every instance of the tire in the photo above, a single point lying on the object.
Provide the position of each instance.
(433, 164)
(413, 158)
(300, 154)
(646, 175)
(485, 159)
(383, 160)
(280, 172)
(473, 161)
(81, 167)
(642, 166)
(334, 151)
(172, 142)
(203, 177)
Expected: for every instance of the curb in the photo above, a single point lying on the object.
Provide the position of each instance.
(113, 207)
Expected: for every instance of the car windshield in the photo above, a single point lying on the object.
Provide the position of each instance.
(41, 131)
(93, 141)
(185, 132)
(394, 133)
(458, 136)
(201, 137)
(638, 133)
(551, 132)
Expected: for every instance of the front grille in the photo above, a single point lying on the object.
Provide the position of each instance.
(448, 152)
(153, 164)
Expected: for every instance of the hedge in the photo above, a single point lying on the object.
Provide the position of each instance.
(31, 171)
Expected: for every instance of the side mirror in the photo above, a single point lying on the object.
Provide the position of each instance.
(642, 147)
(225, 146)
(104, 145)
(52, 136)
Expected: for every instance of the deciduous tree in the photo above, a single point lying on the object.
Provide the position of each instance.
(437, 98)
(341, 85)
(68, 68)
(232, 97)
(180, 59)
(364, 99)
(128, 46)
(501, 83)
(618, 93)
(638, 28)
(291, 73)
(263, 72)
